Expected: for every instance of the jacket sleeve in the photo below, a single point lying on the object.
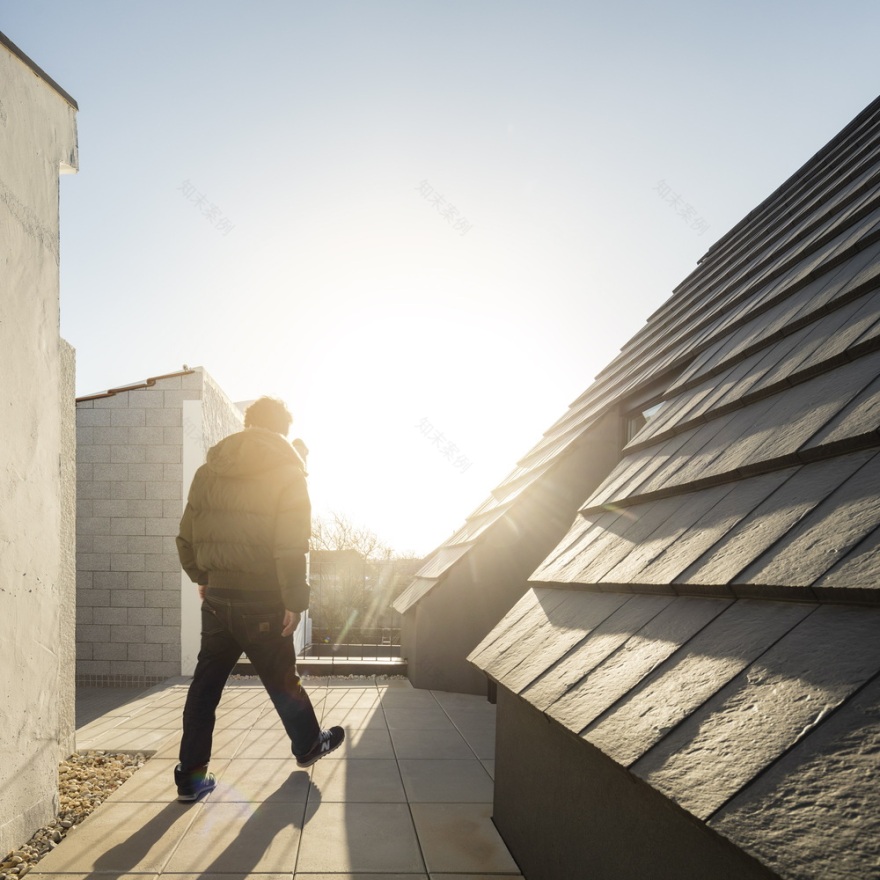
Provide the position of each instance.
(185, 548)
(293, 528)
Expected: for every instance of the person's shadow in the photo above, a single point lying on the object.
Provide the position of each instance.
(243, 854)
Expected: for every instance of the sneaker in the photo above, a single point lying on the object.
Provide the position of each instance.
(328, 741)
(194, 785)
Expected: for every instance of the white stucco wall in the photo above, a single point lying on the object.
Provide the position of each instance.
(37, 139)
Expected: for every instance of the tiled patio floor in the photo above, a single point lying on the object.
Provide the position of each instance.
(408, 796)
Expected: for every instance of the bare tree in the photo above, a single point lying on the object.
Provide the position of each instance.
(353, 579)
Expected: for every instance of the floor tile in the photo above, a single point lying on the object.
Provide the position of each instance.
(226, 743)
(376, 781)
(370, 876)
(481, 742)
(169, 719)
(153, 782)
(461, 701)
(261, 779)
(119, 838)
(240, 838)
(461, 838)
(48, 876)
(412, 699)
(448, 781)
(265, 744)
(417, 718)
(430, 744)
(364, 744)
(472, 877)
(369, 719)
(359, 838)
(471, 718)
(128, 739)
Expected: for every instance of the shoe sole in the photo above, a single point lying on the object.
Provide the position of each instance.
(189, 798)
(317, 758)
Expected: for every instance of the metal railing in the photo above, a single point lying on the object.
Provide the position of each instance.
(367, 643)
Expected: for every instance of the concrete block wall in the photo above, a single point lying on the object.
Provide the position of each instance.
(130, 496)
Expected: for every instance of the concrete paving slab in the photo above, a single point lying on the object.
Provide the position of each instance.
(371, 876)
(264, 744)
(348, 816)
(376, 781)
(240, 838)
(122, 838)
(449, 781)
(427, 718)
(460, 838)
(359, 838)
(476, 877)
(363, 745)
(437, 744)
(257, 779)
(354, 719)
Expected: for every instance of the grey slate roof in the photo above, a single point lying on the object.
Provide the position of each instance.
(759, 717)
(711, 619)
(763, 359)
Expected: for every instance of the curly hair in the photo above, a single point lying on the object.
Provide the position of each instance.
(268, 412)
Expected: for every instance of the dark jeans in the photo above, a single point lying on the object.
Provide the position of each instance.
(231, 626)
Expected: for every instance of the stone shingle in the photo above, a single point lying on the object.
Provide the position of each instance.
(766, 709)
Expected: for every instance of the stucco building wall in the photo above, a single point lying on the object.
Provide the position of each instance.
(37, 140)
(131, 492)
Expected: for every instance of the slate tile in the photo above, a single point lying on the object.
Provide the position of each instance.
(825, 535)
(636, 565)
(759, 531)
(649, 646)
(630, 532)
(857, 570)
(564, 626)
(694, 673)
(632, 614)
(861, 416)
(519, 626)
(710, 524)
(790, 818)
(570, 549)
(765, 710)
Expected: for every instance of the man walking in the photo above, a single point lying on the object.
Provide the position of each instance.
(244, 538)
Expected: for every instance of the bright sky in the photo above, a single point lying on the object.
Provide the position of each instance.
(259, 194)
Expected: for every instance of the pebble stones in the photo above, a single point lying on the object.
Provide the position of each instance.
(84, 782)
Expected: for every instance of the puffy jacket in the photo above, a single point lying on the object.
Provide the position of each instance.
(247, 521)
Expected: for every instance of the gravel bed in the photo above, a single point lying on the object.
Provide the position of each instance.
(85, 780)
